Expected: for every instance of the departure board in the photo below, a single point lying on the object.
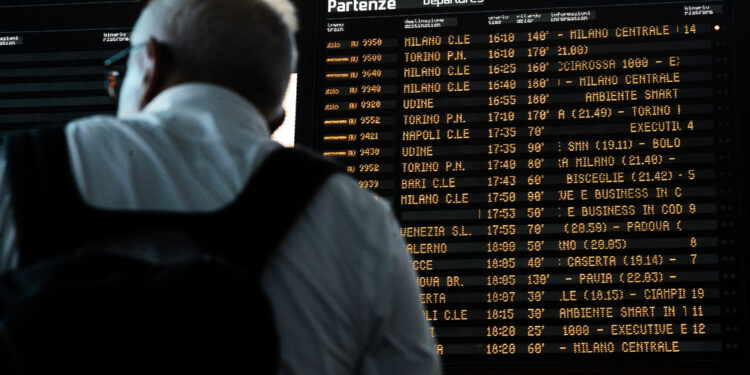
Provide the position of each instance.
(567, 174)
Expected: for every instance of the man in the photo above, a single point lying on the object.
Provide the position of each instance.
(202, 93)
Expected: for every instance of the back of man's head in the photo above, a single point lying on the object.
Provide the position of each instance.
(244, 45)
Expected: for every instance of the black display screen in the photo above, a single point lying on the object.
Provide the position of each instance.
(51, 58)
(568, 174)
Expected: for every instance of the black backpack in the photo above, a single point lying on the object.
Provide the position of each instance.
(90, 298)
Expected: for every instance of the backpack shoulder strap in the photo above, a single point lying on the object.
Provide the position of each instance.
(279, 191)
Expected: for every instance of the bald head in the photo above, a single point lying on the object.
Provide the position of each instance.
(244, 45)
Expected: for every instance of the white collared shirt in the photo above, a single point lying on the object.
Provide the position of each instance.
(342, 286)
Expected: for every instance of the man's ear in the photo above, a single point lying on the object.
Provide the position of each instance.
(155, 71)
(275, 123)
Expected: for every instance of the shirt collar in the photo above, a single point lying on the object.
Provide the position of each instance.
(224, 105)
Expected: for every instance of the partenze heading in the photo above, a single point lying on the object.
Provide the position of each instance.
(360, 5)
(344, 6)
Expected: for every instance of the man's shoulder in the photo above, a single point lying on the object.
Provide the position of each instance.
(357, 213)
(346, 192)
(99, 133)
(102, 142)
(101, 127)
(97, 123)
